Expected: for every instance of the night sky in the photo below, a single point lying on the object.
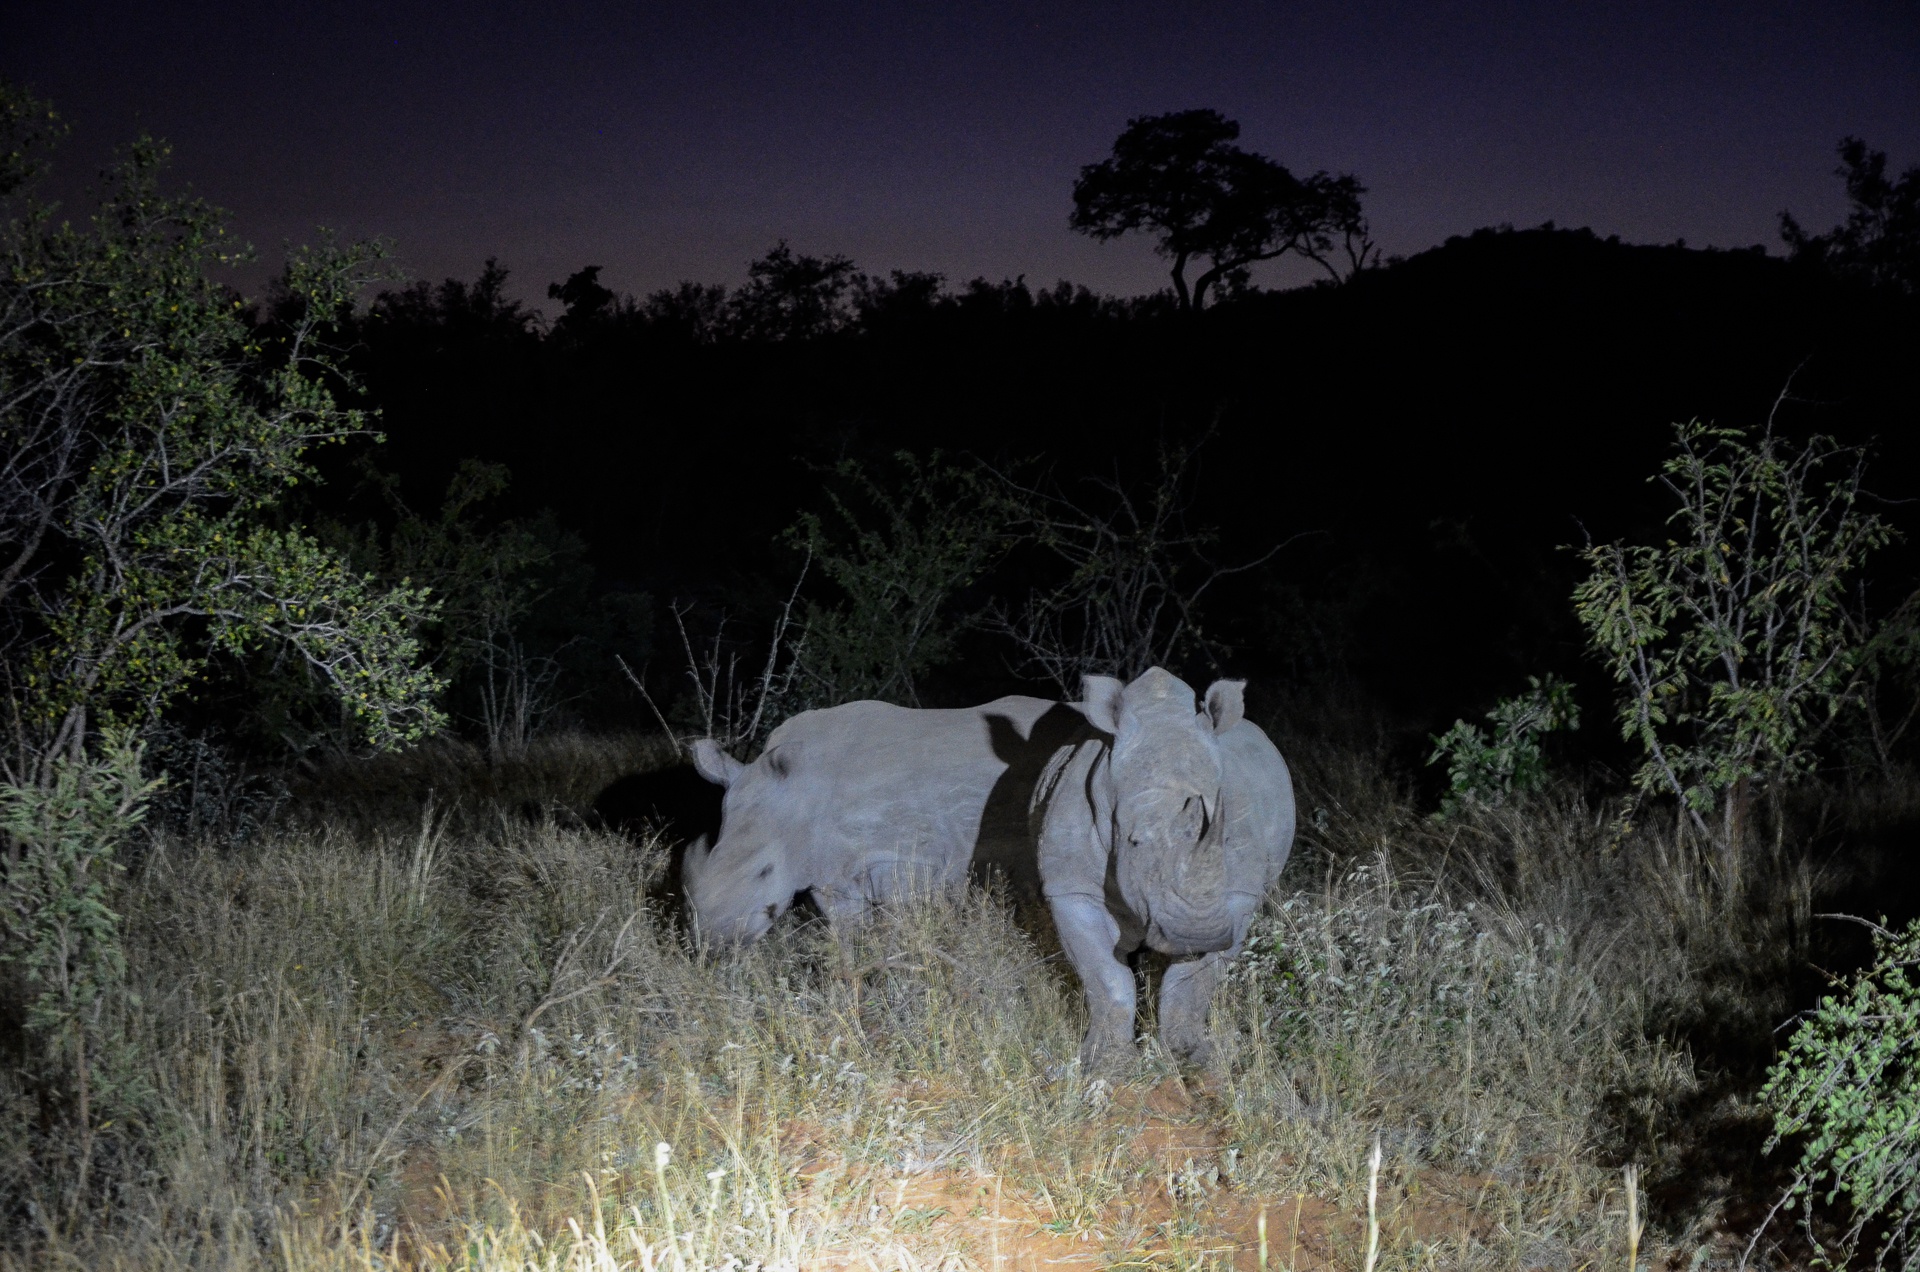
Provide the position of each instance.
(679, 141)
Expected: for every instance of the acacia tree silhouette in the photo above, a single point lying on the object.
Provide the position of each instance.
(1181, 176)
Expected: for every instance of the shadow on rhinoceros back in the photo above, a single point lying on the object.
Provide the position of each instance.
(674, 805)
(1003, 851)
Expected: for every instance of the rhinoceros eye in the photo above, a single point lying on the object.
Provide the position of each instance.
(765, 871)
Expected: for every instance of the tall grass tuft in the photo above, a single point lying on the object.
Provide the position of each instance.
(1463, 1034)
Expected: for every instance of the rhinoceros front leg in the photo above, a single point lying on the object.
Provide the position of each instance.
(1186, 991)
(843, 907)
(1090, 934)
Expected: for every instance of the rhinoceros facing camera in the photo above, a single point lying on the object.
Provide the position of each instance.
(1188, 810)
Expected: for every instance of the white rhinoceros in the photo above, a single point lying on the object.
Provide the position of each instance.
(1165, 829)
(864, 802)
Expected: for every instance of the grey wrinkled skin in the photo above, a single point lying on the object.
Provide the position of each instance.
(865, 802)
(1165, 829)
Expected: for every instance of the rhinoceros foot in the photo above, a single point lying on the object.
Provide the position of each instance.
(1107, 1051)
(1185, 994)
(1197, 1052)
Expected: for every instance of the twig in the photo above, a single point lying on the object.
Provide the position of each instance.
(1373, 1212)
(454, 1070)
(1766, 1223)
(1871, 926)
(608, 974)
(651, 704)
(773, 646)
(1634, 1226)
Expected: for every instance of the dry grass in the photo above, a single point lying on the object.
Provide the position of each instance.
(465, 783)
(462, 1044)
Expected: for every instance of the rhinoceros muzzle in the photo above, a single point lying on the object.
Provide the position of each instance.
(728, 931)
(1172, 873)
(729, 910)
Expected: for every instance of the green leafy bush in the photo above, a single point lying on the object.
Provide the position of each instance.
(899, 547)
(1848, 1087)
(1737, 642)
(1485, 767)
(515, 615)
(150, 430)
(56, 928)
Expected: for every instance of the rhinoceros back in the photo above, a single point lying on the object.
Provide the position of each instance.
(875, 799)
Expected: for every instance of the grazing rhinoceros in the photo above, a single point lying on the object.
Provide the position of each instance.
(863, 802)
(1164, 830)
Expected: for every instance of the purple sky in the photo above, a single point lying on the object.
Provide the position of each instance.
(679, 141)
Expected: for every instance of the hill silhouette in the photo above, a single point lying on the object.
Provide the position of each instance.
(1436, 429)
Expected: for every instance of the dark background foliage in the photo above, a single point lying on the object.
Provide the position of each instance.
(1425, 438)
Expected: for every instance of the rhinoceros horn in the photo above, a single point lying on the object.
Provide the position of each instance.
(693, 861)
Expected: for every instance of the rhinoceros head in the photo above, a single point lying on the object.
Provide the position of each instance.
(745, 881)
(1166, 771)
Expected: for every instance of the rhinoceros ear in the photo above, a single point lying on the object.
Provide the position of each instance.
(1100, 699)
(710, 762)
(1226, 703)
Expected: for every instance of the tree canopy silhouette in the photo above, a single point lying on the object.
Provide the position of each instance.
(584, 295)
(1880, 241)
(1180, 176)
(794, 297)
